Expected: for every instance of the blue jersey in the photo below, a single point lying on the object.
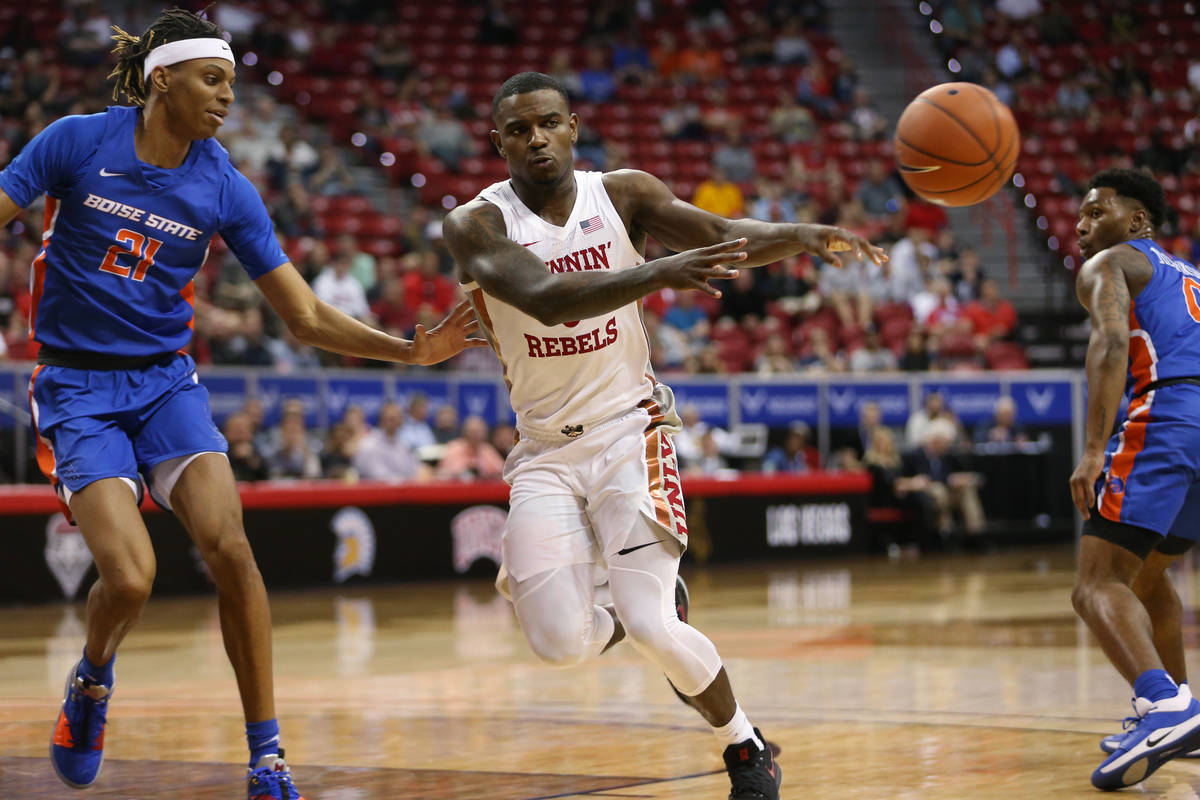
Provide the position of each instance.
(122, 239)
(1164, 320)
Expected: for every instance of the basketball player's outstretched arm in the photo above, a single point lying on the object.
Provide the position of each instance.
(478, 240)
(319, 324)
(649, 206)
(1103, 288)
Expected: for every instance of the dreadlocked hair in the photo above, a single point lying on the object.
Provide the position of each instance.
(173, 25)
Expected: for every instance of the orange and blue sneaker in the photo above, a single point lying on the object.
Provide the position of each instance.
(271, 779)
(753, 773)
(77, 747)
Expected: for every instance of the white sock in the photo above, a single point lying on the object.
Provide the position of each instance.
(737, 730)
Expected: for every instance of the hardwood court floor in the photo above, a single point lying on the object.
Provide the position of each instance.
(948, 678)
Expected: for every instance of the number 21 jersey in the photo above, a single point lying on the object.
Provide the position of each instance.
(122, 240)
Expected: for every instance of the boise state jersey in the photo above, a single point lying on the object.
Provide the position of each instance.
(1164, 320)
(122, 240)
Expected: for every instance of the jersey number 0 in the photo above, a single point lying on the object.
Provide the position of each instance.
(142, 247)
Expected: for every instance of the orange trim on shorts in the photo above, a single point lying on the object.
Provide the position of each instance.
(655, 475)
(1133, 442)
(1140, 362)
(39, 263)
(45, 454)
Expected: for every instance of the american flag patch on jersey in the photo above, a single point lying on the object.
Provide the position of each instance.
(591, 225)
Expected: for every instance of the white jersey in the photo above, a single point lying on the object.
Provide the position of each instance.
(565, 378)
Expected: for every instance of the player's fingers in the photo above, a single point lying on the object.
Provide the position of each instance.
(471, 326)
(418, 332)
(828, 257)
(475, 343)
(1089, 498)
(724, 247)
(721, 272)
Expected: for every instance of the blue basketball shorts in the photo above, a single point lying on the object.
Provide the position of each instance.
(94, 424)
(1151, 474)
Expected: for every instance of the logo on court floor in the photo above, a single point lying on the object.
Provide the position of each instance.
(355, 551)
(67, 555)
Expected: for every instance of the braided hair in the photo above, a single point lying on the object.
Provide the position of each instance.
(173, 25)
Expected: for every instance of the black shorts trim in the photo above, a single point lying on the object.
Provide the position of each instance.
(1134, 538)
(1174, 545)
(79, 359)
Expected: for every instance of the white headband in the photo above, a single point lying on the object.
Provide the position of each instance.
(185, 50)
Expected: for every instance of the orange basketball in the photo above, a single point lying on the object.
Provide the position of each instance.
(956, 144)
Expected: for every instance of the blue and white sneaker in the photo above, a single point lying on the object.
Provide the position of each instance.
(271, 779)
(1158, 732)
(77, 747)
(1109, 744)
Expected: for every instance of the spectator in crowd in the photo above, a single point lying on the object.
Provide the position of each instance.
(425, 285)
(293, 214)
(909, 259)
(771, 205)
(814, 91)
(682, 122)
(445, 137)
(249, 346)
(415, 431)
(790, 122)
(719, 195)
(687, 441)
(445, 423)
(596, 80)
(340, 289)
(991, 317)
(935, 307)
(889, 486)
(866, 123)
(390, 58)
(774, 358)
(560, 69)
(362, 264)
(1003, 429)
(245, 459)
(295, 456)
(794, 455)
(331, 176)
(879, 192)
(503, 438)
(733, 156)
(942, 481)
(791, 45)
(471, 456)
(934, 407)
(497, 25)
(1019, 9)
(872, 356)
(337, 458)
(383, 455)
(743, 297)
(916, 357)
(687, 316)
(289, 354)
(820, 357)
(699, 62)
(292, 159)
(966, 275)
(709, 461)
(630, 58)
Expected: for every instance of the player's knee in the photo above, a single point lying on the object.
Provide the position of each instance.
(558, 642)
(648, 629)
(131, 587)
(1082, 597)
(229, 551)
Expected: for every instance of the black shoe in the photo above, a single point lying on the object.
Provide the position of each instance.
(753, 773)
(682, 604)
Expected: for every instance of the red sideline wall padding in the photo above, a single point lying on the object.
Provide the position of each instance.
(39, 499)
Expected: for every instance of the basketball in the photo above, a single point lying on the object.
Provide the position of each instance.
(956, 144)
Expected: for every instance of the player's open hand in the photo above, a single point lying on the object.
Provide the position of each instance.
(693, 269)
(825, 240)
(449, 338)
(1083, 482)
